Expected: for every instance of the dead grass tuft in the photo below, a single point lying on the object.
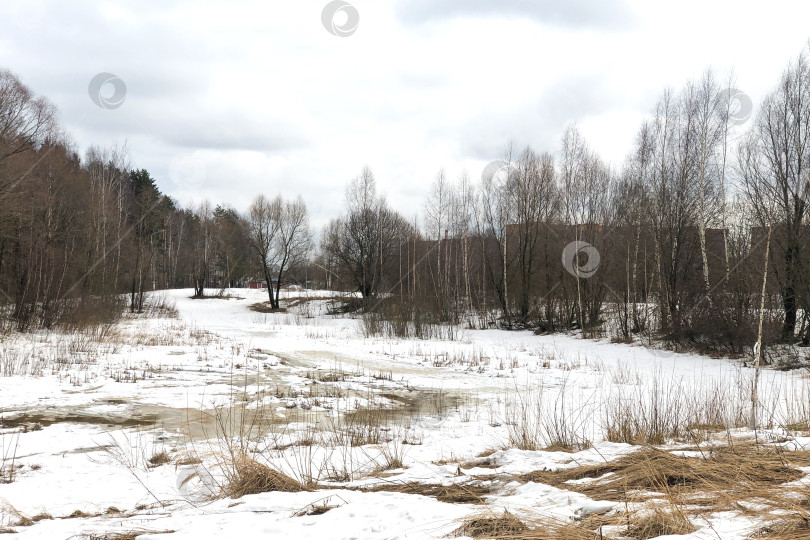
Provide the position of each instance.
(795, 526)
(266, 307)
(720, 478)
(25, 521)
(129, 535)
(160, 458)
(659, 522)
(319, 507)
(505, 526)
(509, 527)
(246, 476)
(79, 514)
(467, 493)
(189, 460)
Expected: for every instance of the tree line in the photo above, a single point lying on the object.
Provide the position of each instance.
(672, 244)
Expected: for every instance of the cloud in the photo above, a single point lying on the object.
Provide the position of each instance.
(538, 123)
(609, 14)
(230, 130)
(262, 99)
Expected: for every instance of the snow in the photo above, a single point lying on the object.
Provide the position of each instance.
(83, 421)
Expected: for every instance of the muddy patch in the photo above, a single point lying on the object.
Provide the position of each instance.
(422, 403)
(36, 421)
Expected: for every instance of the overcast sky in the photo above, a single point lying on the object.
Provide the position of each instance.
(225, 100)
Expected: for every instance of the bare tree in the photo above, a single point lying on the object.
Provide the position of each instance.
(145, 224)
(293, 241)
(264, 222)
(26, 121)
(705, 101)
(204, 243)
(366, 239)
(438, 208)
(107, 169)
(675, 198)
(534, 197)
(461, 225)
(586, 184)
(495, 215)
(773, 165)
(632, 204)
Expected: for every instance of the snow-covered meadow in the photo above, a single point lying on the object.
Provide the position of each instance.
(145, 427)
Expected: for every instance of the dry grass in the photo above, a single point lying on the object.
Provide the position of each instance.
(128, 535)
(392, 457)
(720, 478)
(25, 521)
(467, 493)
(659, 522)
(536, 423)
(490, 526)
(795, 526)
(159, 458)
(315, 510)
(508, 527)
(246, 476)
(661, 409)
(79, 514)
(266, 307)
(166, 334)
(189, 460)
(320, 506)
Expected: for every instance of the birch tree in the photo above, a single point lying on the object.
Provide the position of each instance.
(774, 169)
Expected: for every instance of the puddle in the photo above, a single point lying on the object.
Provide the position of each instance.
(178, 423)
(308, 401)
(36, 421)
(426, 403)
